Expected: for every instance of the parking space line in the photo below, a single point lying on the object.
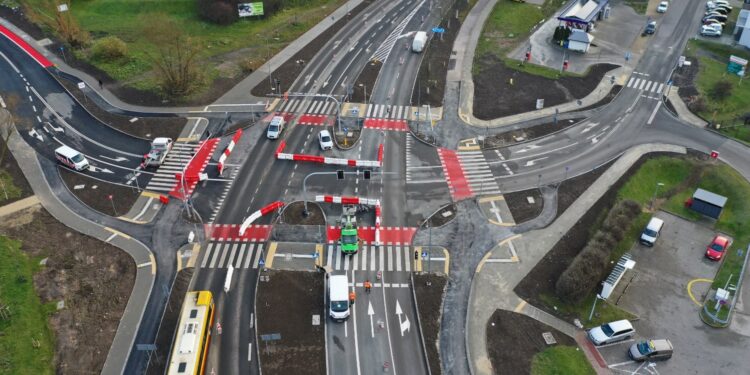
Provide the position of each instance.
(614, 343)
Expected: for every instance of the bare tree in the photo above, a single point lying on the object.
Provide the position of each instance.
(175, 59)
(6, 130)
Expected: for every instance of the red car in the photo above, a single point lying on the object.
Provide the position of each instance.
(716, 249)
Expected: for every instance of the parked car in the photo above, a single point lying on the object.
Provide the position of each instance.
(662, 7)
(714, 23)
(717, 17)
(717, 248)
(160, 147)
(714, 4)
(651, 232)
(650, 28)
(325, 140)
(650, 350)
(719, 10)
(713, 29)
(727, 8)
(611, 332)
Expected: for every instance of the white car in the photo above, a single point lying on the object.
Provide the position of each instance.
(662, 8)
(325, 140)
(611, 332)
(713, 29)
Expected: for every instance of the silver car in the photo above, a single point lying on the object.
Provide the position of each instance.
(651, 350)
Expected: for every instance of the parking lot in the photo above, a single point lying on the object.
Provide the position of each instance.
(658, 294)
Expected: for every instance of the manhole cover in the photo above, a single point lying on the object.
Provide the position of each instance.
(548, 338)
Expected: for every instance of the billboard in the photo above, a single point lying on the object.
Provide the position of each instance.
(250, 9)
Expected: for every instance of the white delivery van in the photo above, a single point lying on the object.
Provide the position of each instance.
(275, 127)
(338, 297)
(651, 232)
(420, 39)
(71, 158)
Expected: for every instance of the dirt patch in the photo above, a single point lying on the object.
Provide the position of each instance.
(495, 96)
(98, 198)
(442, 216)
(520, 207)
(430, 300)
(159, 358)
(527, 134)
(430, 85)
(684, 78)
(365, 81)
(513, 340)
(542, 278)
(144, 127)
(10, 167)
(301, 349)
(605, 100)
(294, 214)
(288, 72)
(17, 18)
(94, 279)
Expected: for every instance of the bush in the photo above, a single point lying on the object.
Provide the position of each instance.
(248, 64)
(632, 207)
(721, 90)
(220, 12)
(583, 275)
(604, 240)
(109, 48)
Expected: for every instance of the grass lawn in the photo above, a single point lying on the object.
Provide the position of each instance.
(639, 6)
(713, 61)
(28, 322)
(509, 24)
(561, 360)
(122, 18)
(8, 190)
(603, 313)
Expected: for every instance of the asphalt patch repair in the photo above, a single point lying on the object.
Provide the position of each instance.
(301, 349)
(94, 279)
(513, 340)
(495, 96)
(430, 304)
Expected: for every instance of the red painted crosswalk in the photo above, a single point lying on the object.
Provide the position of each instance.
(386, 124)
(231, 232)
(454, 175)
(310, 119)
(388, 235)
(194, 168)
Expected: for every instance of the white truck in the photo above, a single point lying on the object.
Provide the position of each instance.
(420, 40)
(160, 147)
(338, 297)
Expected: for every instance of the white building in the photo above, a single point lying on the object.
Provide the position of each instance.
(579, 40)
(742, 30)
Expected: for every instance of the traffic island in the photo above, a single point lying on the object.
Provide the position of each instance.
(109, 199)
(429, 289)
(525, 205)
(347, 138)
(365, 81)
(526, 134)
(294, 214)
(442, 216)
(291, 337)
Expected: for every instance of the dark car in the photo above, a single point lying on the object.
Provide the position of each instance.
(650, 28)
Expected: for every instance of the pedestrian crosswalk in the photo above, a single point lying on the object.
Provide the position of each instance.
(641, 81)
(164, 179)
(477, 172)
(371, 258)
(317, 108)
(396, 112)
(241, 255)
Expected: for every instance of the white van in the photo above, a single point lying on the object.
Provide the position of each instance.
(71, 158)
(651, 232)
(338, 297)
(275, 127)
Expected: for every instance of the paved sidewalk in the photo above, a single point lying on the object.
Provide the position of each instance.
(492, 288)
(19, 205)
(682, 110)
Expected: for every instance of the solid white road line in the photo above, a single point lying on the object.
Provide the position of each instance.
(388, 327)
(653, 114)
(354, 326)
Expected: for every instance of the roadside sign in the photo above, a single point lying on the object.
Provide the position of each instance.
(438, 30)
(261, 263)
(714, 154)
(424, 254)
(81, 85)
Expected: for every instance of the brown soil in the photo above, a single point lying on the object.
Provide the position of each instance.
(144, 127)
(520, 208)
(293, 214)
(527, 134)
(17, 18)
(158, 362)
(684, 78)
(438, 220)
(430, 300)
(98, 199)
(301, 349)
(430, 85)
(93, 278)
(495, 97)
(291, 69)
(513, 340)
(365, 81)
(10, 166)
(605, 100)
(542, 278)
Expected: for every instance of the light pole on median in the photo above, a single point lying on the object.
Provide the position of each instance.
(656, 190)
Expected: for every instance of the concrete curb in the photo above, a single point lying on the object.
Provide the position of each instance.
(19, 205)
(419, 325)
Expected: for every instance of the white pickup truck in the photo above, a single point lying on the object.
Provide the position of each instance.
(160, 147)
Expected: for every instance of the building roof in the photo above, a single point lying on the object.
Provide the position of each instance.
(581, 11)
(743, 20)
(578, 35)
(709, 197)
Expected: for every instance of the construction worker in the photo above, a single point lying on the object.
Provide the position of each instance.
(368, 286)
(352, 297)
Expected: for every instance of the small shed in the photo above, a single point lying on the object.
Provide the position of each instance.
(579, 40)
(708, 203)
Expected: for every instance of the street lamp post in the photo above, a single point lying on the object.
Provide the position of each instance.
(656, 190)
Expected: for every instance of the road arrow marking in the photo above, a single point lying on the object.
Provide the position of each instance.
(589, 127)
(59, 130)
(97, 169)
(406, 324)
(38, 136)
(532, 162)
(371, 312)
(117, 159)
(528, 148)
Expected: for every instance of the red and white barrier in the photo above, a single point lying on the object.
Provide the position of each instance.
(377, 224)
(228, 150)
(380, 153)
(347, 200)
(257, 214)
(326, 160)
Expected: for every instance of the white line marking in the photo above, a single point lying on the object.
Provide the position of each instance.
(653, 114)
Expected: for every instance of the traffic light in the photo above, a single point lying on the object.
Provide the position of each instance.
(528, 55)
(565, 65)
(340, 174)
(367, 174)
(416, 254)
